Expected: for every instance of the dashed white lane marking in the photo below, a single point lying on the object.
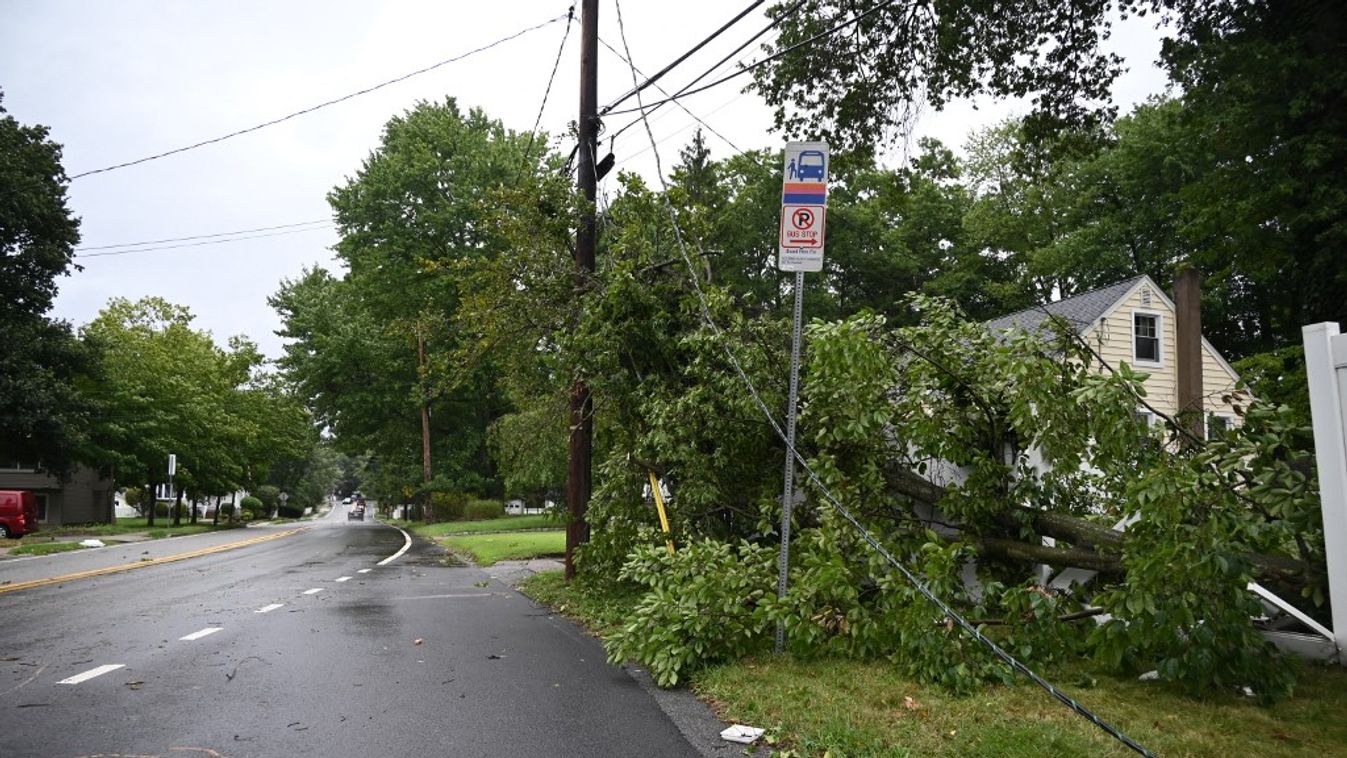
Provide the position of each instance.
(364, 571)
(198, 635)
(313, 591)
(406, 543)
(91, 673)
(269, 608)
(343, 578)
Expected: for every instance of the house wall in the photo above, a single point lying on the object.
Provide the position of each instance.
(85, 498)
(1112, 337)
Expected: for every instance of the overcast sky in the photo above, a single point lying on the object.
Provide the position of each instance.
(118, 81)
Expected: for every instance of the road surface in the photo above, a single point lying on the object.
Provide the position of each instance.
(310, 640)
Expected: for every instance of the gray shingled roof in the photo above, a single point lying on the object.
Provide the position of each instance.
(1082, 310)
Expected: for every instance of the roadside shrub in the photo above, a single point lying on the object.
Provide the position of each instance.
(709, 602)
(290, 510)
(134, 497)
(270, 495)
(481, 510)
(163, 509)
(250, 507)
(447, 506)
(227, 510)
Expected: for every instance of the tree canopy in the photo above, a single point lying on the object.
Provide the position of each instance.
(42, 417)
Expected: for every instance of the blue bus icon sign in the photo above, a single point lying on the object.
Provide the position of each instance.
(813, 165)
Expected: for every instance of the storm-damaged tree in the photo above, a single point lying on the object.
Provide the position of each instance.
(953, 445)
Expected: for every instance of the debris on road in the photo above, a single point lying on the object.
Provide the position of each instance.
(744, 735)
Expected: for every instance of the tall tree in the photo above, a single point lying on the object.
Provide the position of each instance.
(42, 418)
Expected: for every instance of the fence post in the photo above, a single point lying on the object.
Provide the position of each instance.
(1326, 370)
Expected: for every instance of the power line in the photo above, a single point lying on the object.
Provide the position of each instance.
(203, 236)
(758, 64)
(637, 88)
(680, 130)
(864, 533)
(206, 242)
(774, 23)
(712, 129)
(528, 153)
(320, 106)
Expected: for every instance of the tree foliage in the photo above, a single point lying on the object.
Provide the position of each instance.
(43, 418)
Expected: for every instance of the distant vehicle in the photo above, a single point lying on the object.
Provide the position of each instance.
(346, 501)
(18, 513)
(355, 513)
(812, 164)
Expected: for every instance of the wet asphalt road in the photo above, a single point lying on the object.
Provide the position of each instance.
(304, 645)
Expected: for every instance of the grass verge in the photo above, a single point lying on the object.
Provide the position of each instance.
(45, 548)
(506, 524)
(860, 709)
(486, 549)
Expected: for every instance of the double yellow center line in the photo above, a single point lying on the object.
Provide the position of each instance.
(143, 563)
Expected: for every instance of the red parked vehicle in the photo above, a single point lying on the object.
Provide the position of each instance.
(18, 513)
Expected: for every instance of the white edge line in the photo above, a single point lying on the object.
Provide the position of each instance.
(91, 673)
(313, 591)
(198, 635)
(269, 608)
(406, 544)
(343, 578)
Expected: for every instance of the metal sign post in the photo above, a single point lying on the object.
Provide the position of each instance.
(804, 207)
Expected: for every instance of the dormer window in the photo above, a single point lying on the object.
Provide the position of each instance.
(1146, 337)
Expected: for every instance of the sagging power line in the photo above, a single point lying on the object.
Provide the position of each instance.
(759, 63)
(280, 233)
(202, 236)
(320, 106)
(865, 534)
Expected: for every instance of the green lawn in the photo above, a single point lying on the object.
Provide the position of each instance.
(45, 548)
(865, 708)
(506, 524)
(486, 549)
(162, 528)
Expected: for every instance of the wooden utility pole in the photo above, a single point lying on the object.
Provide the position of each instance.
(578, 484)
(425, 422)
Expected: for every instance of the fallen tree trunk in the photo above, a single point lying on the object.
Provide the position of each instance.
(1093, 546)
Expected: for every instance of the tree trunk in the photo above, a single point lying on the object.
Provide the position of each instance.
(177, 507)
(1093, 546)
(153, 502)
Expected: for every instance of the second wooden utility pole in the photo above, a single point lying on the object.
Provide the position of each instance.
(578, 484)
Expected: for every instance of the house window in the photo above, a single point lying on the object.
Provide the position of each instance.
(1217, 426)
(41, 507)
(1144, 417)
(1146, 337)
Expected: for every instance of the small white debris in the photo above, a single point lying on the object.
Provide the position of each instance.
(1149, 676)
(1248, 692)
(92, 543)
(745, 735)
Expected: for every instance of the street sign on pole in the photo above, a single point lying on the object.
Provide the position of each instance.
(804, 209)
(172, 464)
(804, 206)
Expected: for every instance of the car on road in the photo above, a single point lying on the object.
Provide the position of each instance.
(346, 501)
(18, 513)
(355, 513)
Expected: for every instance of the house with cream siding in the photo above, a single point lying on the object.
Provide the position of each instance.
(1133, 321)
